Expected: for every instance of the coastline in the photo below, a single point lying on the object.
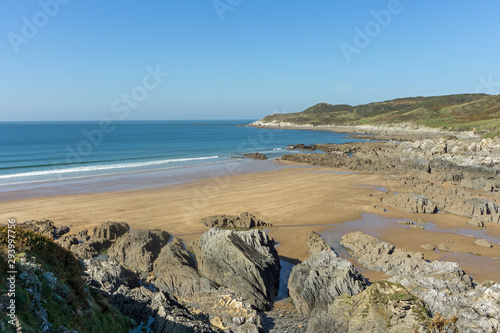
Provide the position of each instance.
(293, 199)
(407, 131)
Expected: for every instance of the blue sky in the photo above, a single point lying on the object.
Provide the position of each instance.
(237, 59)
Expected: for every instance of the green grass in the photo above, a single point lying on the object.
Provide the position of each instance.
(453, 112)
(68, 303)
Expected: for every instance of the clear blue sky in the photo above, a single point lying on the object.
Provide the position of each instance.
(262, 57)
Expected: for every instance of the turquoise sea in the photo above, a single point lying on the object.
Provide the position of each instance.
(44, 158)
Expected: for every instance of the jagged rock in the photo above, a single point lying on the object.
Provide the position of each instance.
(483, 242)
(445, 287)
(45, 228)
(108, 276)
(84, 251)
(316, 243)
(245, 262)
(168, 316)
(382, 307)
(410, 202)
(138, 249)
(322, 278)
(226, 310)
(256, 156)
(380, 256)
(245, 220)
(110, 230)
(68, 241)
(84, 235)
(429, 247)
(301, 146)
(175, 271)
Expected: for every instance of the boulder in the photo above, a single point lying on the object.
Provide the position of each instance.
(316, 243)
(175, 271)
(243, 261)
(382, 307)
(410, 202)
(110, 230)
(483, 242)
(443, 247)
(319, 280)
(428, 247)
(244, 220)
(138, 249)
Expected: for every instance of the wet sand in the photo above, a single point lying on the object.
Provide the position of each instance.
(295, 200)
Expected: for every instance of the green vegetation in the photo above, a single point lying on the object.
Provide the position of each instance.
(49, 278)
(478, 112)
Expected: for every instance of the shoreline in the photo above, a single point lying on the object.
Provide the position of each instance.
(406, 131)
(294, 200)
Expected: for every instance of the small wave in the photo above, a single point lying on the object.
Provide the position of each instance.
(277, 148)
(55, 170)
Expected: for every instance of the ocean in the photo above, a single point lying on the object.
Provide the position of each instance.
(46, 158)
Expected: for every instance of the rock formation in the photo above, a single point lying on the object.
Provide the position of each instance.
(317, 244)
(410, 202)
(110, 230)
(382, 307)
(175, 271)
(245, 262)
(319, 280)
(244, 220)
(138, 249)
(444, 286)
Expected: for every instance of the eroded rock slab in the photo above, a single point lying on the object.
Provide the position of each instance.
(243, 261)
(410, 202)
(175, 271)
(322, 278)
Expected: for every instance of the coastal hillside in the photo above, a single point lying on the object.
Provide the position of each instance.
(452, 112)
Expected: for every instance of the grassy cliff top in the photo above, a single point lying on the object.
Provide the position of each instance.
(454, 112)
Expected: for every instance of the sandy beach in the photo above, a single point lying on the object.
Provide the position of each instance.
(295, 200)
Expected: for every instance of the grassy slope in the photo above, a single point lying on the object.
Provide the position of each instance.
(457, 112)
(71, 304)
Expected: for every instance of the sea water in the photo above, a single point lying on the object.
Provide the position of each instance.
(76, 157)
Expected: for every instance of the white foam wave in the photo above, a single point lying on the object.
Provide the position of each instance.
(57, 170)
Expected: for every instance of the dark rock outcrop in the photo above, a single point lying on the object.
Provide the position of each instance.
(323, 277)
(84, 251)
(245, 262)
(138, 249)
(45, 228)
(110, 230)
(244, 220)
(255, 156)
